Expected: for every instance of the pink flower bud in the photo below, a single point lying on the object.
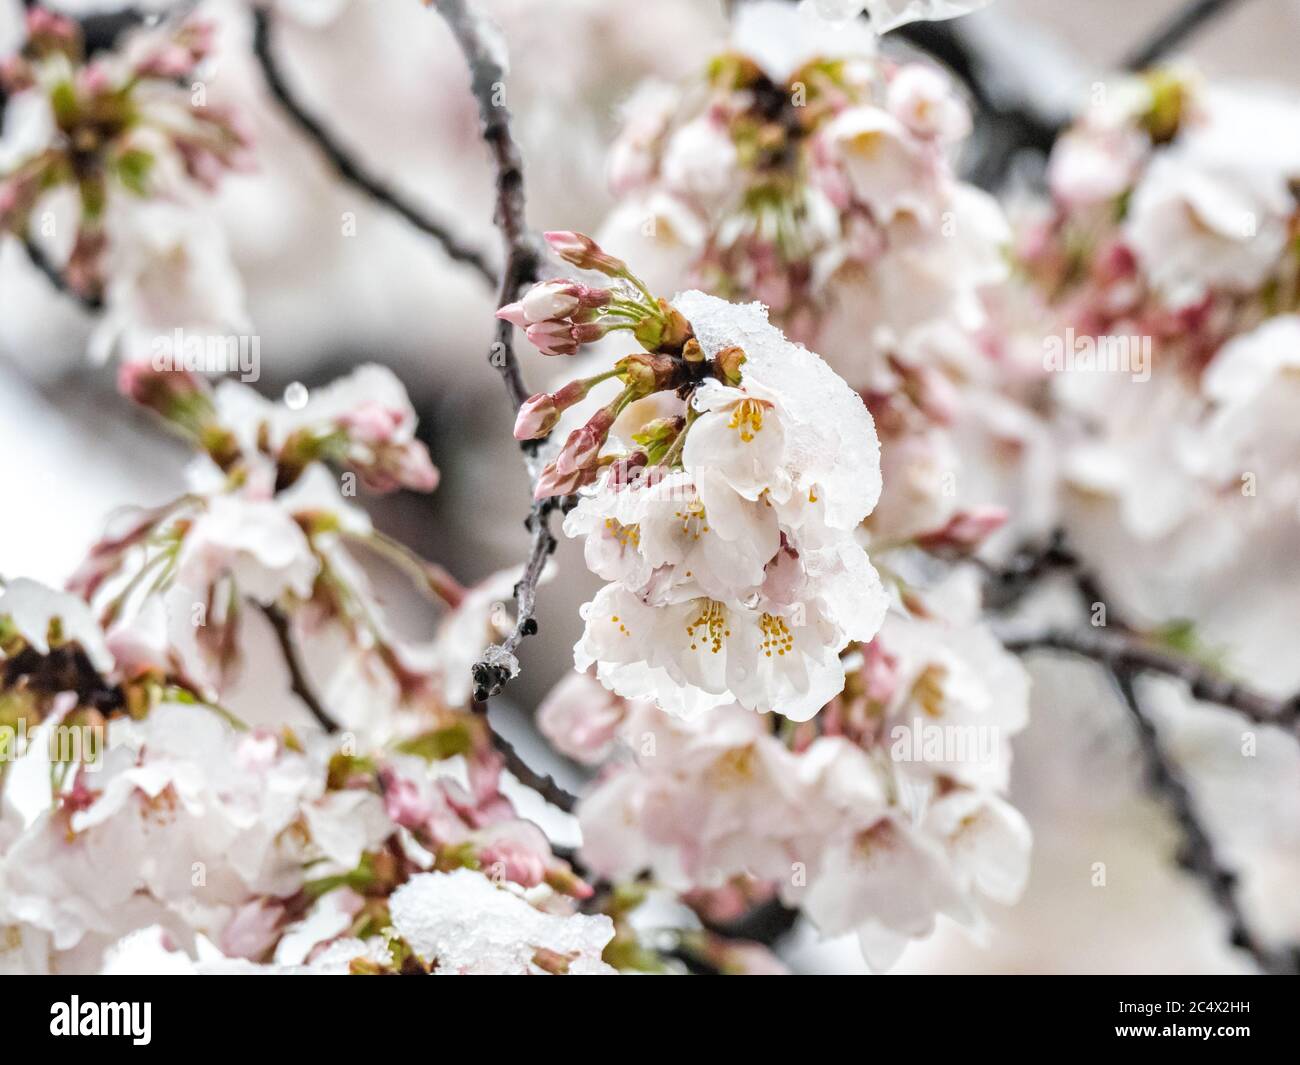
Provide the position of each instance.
(588, 332)
(518, 850)
(93, 80)
(551, 299)
(965, 530)
(404, 803)
(584, 253)
(879, 672)
(514, 314)
(371, 423)
(552, 338)
(553, 482)
(537, 416)
(252, 930)
(583, 446)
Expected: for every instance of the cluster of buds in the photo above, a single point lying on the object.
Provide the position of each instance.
(671, 360)
(372, 437)
(791, 175)
(559, 316)
(111, 119)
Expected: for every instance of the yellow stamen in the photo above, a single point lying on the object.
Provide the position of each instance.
(747, 418)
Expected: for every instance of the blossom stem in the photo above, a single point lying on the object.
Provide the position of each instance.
(347, 165)
(427, 575)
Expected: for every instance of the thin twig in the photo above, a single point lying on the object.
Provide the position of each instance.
(1175, 31)
(1197, 854)
(522, 262)
(487, 83)
(43, 263)
(543, 783)
(349, 168)
(1124, 652)
(298, 681)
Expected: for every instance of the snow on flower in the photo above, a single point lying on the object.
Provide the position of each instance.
(462, 923)
(729, 530)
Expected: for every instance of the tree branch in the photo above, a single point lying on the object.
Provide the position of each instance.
(1125, 653)
(298, 682)
(349, 168)
(543, 783)
(1174, 32)
(1197, 854)
(522, 261)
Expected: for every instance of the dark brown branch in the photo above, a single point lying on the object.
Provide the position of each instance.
(347, 165)
(543, 783)
(1197, 854)
(522, 262)
(1128, 653)
(298, 681)
(1174, 32)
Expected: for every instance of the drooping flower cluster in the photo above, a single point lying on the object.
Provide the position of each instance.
(116, 128)
(727, 482)
(723, 497)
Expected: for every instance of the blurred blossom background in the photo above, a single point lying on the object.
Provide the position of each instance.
(331, 279)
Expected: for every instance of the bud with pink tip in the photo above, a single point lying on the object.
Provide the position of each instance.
(584, 253)
(965, 530)
(579, 460)
(552, 337)
(551, 299)
(537, 416)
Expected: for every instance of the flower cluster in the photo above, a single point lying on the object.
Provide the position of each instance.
(727, 481)
(814, 175)
(1168, 253)
(142, 785)
(882, 813)
(109, 126)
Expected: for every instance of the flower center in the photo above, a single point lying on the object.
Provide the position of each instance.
(626, 535)
(692, 517)
(709, 626)
(776, 635)
(747, 418)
